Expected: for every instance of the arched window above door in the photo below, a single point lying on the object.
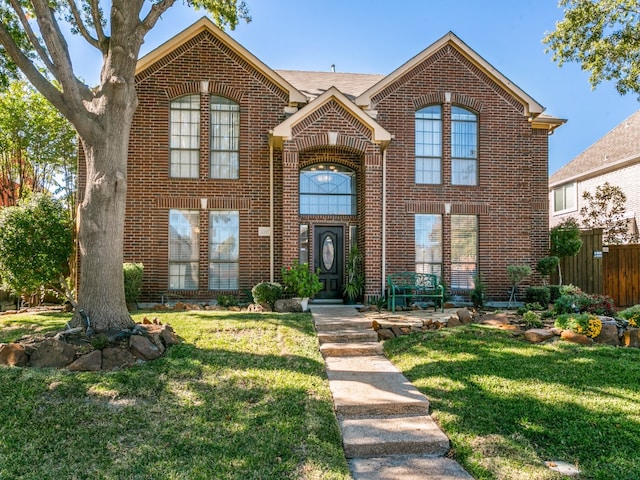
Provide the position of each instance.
(327, 189)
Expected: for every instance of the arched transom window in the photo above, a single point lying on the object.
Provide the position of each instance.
(327, 189)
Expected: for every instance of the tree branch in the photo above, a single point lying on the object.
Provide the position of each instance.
(35, 42)
(77, 17)
(155, 13)
(97, 21)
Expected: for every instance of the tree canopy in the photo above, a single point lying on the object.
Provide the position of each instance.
(566, 241)
(603, 36)
(606, 209)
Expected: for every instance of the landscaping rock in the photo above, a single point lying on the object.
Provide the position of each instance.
(143, 348)
(13, 354)
(52, 353)
(573, 337)
(454, 321)
(117, 358)
(538, 335)
(168, 336)
(608, 334)
(631, 338)
(465, 316)
(385, 334)
(91, 362)
(288, 305)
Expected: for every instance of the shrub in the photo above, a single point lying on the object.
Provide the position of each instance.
(554, 290)
(267, 292)
(300, 281)
(477, 294)
(632, 314)
(227, 300)
(541, 295)
(547, 265)
(584, 323)
(531, 319)
(584, 302)
(133, 273)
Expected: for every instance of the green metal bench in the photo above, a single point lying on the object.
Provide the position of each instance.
(412, 285)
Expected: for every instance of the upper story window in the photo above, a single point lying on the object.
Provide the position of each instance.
(565, 197)
(225, 138)
(185, 137)
(327, 189)
(428, 148)
(464, 147)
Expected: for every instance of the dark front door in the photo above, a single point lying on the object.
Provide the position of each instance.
(328, 257)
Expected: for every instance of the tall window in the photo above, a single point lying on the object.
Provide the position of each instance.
(327, 189)
(184, 240)
(224, 233)
(225, 138)
(564, 197)
(185, 136)
(428, 148)
(464, 251)
(464, 147)
(428, 244)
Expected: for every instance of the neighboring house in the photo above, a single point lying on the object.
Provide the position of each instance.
(615, 158)
(235, 170)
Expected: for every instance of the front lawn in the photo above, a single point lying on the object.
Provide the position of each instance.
(243, 397)
(508, 405)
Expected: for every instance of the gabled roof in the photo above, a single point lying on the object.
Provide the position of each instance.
(205, 24)
(617, 149)
(531, 107)
(314, 84)
(378, 134)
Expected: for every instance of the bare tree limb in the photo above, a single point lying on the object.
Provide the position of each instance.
(77, 17)
(155, 13)
(97, 22)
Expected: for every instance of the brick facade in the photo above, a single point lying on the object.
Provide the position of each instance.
(510, 199)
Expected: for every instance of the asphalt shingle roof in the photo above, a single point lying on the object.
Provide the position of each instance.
(622, 143)
(314, 84)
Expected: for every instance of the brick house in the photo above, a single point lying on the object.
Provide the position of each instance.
(614, 158)
(235, 170)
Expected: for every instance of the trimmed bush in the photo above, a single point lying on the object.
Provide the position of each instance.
(133, 273)
(584, 303)
(554, 290)
(267, 292)
(541, 295)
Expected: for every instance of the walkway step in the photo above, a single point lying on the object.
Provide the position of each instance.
(407, 467)
(371, 385)
(375, 436)
(349, 335)
(350, 349)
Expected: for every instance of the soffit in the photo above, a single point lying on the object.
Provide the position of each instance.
(205, 24)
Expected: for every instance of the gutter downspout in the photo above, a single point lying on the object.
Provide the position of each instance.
(384, 219)
(271, 203)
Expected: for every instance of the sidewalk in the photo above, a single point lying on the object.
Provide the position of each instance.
(387, 432)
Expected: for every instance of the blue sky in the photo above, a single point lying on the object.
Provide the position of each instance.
(376, 36)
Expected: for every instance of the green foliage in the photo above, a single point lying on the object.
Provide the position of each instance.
(531, 319)
(100, 341)
(517, 273)
(605, 209)
(300, 281)
(267, 292)
(601, 36)
(565, 239)
(632, 314)
(35, 245)
(477, 293)
(546, 266)
(584, 302)
(354, 286)
(585, 323)
(133, 273)
(541, 295)
(227, 300)
(555, 292)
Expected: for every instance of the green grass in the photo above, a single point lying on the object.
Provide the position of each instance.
(243, 397)
(508, 405)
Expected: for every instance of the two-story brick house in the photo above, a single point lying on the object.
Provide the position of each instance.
(235, 170)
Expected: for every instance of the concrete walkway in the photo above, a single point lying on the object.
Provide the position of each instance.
(387, 432)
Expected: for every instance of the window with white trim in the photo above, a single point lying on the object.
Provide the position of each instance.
(428, 244)
(464, 251)
(184, 133)
(225, 138)
(224, 246)
(565, 197)
(184, 241)
(428, 145)
(464, 147)
(327, 189)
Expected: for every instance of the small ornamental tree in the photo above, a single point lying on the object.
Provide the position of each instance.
(565, 241)
(605, 209)
(35, 246)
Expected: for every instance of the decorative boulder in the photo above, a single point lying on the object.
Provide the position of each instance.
(288, 305)
(52, 353)
(117, 358)
(143, 347)
(573, 337)
(13, 354)
(631, 338)
(91, 362)
(538, 335)
(608, 334)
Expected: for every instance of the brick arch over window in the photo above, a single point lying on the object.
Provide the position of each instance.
(339, 156)
(206, 86)
(186, 88)
(467, 102)
(342, 143)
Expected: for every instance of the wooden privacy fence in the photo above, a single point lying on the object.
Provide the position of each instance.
(612, 270)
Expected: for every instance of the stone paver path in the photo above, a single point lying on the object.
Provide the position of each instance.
(387, 432)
